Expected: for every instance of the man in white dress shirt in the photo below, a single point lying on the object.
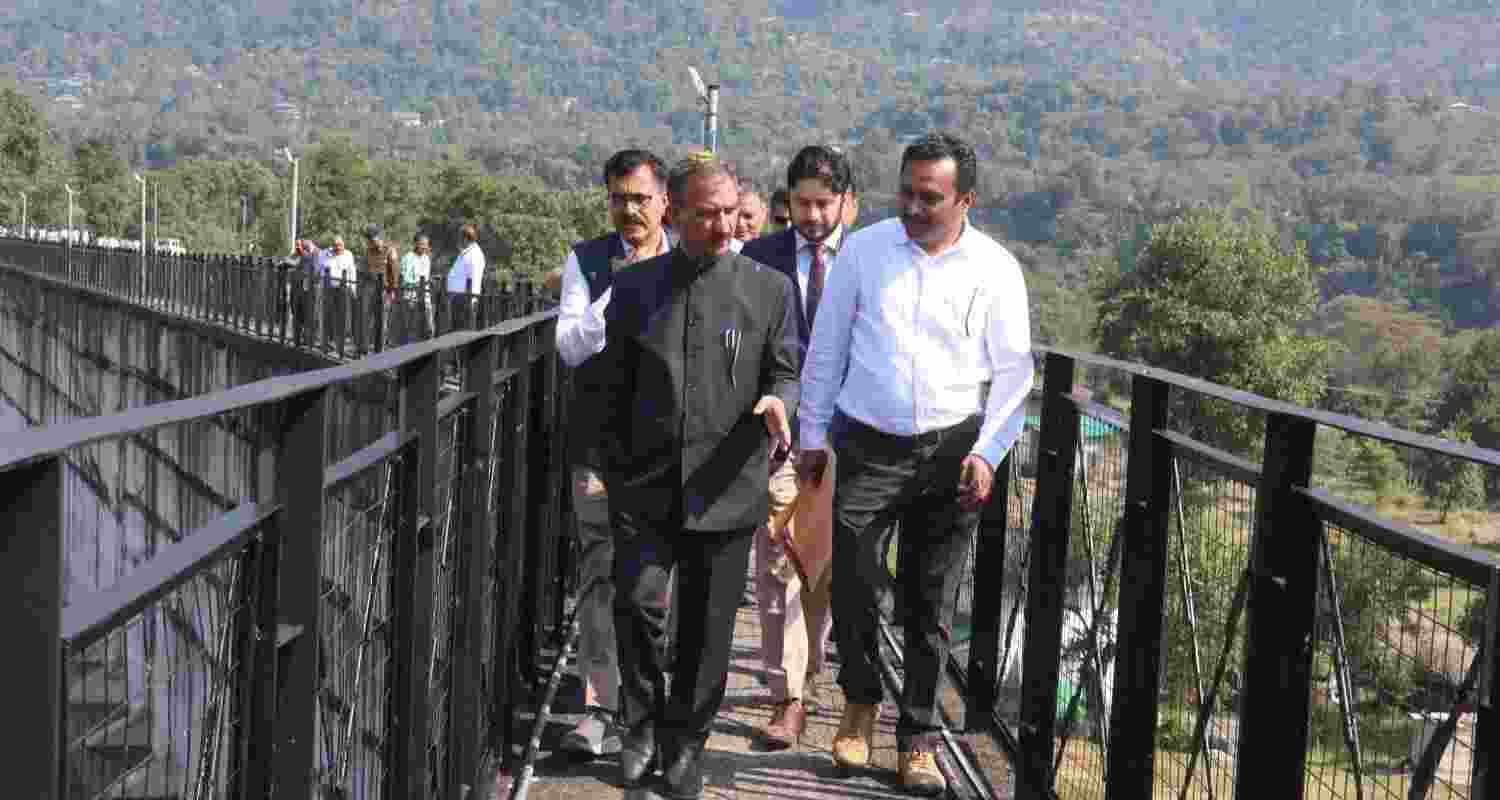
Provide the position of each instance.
(467, 273)
(916, 377)
(637, 185)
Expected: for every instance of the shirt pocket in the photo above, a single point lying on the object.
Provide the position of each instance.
(966, 309)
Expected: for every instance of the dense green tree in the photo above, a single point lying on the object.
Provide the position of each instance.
(1223, 301)
(334, 199)
(107, 197)
(1470, 404)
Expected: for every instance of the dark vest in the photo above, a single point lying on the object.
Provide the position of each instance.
(594, 256)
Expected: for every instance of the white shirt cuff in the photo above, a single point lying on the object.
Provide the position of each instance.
(814, 437)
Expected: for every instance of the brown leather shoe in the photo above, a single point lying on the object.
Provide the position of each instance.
(851, 747)
(920, 774)
(786, 726)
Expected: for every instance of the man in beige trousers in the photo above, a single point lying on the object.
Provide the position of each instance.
(791, 590)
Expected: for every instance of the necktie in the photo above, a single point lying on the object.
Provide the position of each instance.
(815, 279)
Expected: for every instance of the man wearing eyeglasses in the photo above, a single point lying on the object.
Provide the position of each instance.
(636, 181)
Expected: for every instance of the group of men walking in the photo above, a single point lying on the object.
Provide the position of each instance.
(795, 393)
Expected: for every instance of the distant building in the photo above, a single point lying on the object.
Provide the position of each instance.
(287, 111)
(408, 119)
(70, 102)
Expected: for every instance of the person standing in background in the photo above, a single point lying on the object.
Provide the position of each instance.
(416, 275)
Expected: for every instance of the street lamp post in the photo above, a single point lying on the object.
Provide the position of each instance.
(142, 182)
(709, 96)
(69, 188)
(23, 215)
(287, 151)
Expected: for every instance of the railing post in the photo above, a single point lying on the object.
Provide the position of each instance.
(31, 585)
(1284, 559)
(411, 578)
(1486, 780)
(297, 475)
(476, 557)
(1143, 596)
(987, 617)
(1046, 584)
(512, 543)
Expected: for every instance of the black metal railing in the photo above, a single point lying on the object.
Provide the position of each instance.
(361, 619)
(271, 298)
(1172, 620)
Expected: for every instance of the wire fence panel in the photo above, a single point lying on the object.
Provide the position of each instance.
(1395, 659)
(354, 736)
(153, 705)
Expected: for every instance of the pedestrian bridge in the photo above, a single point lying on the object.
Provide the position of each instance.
(368, 602)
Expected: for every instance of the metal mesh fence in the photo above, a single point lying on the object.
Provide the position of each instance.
(152, 705)
(355, 624)
(1085, 687)
(1394, 668)
(1208, 551)
(447, 531)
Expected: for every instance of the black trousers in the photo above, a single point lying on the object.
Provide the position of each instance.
(710, 578)
(912, 481)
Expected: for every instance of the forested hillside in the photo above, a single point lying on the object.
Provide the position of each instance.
(1335, 121)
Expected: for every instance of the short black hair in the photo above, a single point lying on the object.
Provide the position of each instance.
(781, 197)
(627, 161)
(700, 164)
(939, 146)
(823, 163)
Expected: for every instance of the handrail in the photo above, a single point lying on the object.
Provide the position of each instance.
(1374, 430)
(1459, 560)
(24, 447)
(93, 616)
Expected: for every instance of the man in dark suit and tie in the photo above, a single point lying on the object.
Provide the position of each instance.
(693, 392)
(794, 617)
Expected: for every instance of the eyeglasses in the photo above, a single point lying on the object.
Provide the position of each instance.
(624, 199)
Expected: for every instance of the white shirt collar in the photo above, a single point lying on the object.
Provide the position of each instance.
(666, 243)
(964, 238)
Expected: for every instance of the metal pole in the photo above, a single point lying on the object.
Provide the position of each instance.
(287, 151)
(142, 182)
(156, 213)
(711, 122)
(23, 215)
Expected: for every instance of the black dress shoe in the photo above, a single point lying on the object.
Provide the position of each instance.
(684, 775)
(638, 755)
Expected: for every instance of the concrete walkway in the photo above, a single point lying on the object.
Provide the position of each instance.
(737, 768)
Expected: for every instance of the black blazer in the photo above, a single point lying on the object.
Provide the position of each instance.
(673, 397)
(779, 251)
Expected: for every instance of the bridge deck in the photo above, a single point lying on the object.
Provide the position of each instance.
(737, 768)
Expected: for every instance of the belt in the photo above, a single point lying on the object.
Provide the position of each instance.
(912, 440)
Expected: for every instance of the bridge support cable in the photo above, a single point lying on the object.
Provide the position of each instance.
(1425, 770)
(1092, 669)
(1190, 616)
(1341, 668)
(1206, 704)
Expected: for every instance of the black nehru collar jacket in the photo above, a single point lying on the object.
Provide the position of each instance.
(692, 345)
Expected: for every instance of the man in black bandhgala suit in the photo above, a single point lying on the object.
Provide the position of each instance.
(693, 391)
